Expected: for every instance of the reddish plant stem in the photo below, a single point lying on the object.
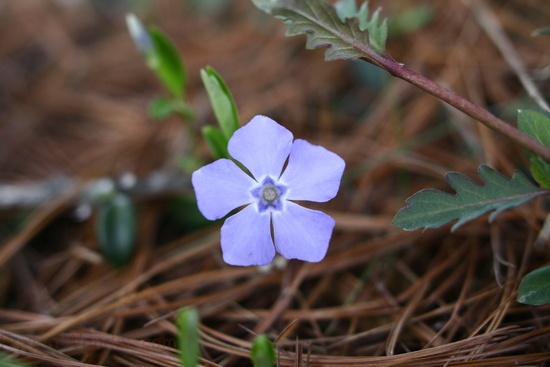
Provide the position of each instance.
(471, 109)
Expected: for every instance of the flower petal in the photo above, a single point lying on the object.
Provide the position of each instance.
(313, 173)
(302, 233)
(262, 146)
(220, 187)
(246, 239)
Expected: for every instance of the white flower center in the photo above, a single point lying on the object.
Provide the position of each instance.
(269, 195)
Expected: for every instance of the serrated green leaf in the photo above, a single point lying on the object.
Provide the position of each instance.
(378, 34)
(537, 126)
(322, 27)
(188, 336)
(347, 9)
(216, 141)
(534, 288)
(433, 208)
(262, 352)
(166, 63)
(265, 5)
(223, 104)
(116, 229)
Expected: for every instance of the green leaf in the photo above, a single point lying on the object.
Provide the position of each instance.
(222, 101)
(322, 27)
(188, 336)
(166, 63)
(183, 109)
(537, 126)
(433, 208)
(116, 229)
(534, 288)
(347, 9)
(160, 108)
(262, 352)
(378, 33)
(216, 141)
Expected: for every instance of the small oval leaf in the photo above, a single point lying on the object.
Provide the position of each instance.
(116, 229)
(222, 101)
(160, 108)
(262, 352)
(188, 336)
(534, 288)
(167, 63)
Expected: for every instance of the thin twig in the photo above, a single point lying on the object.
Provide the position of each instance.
(478, 113)
(399, 70)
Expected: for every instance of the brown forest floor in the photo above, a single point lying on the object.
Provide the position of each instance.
(73, 101)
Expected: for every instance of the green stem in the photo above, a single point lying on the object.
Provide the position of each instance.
(471, 109)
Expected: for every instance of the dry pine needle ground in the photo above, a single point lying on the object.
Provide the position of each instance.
(73, 94)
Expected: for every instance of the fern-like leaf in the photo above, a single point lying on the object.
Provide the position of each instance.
(433, 208)
(322, 26)
(347, 9)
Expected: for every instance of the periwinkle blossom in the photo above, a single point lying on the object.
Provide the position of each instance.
(282, 171)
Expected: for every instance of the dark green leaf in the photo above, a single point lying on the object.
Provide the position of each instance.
(188, 336)
(116, 229)
(262, 352)
(322, 27)
(167, 63)
(160, 108)
(222, 101)
(534, 288)
(433, 208)
(216, 140)
(537, 126)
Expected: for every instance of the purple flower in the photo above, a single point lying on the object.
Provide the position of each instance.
(270, 220)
